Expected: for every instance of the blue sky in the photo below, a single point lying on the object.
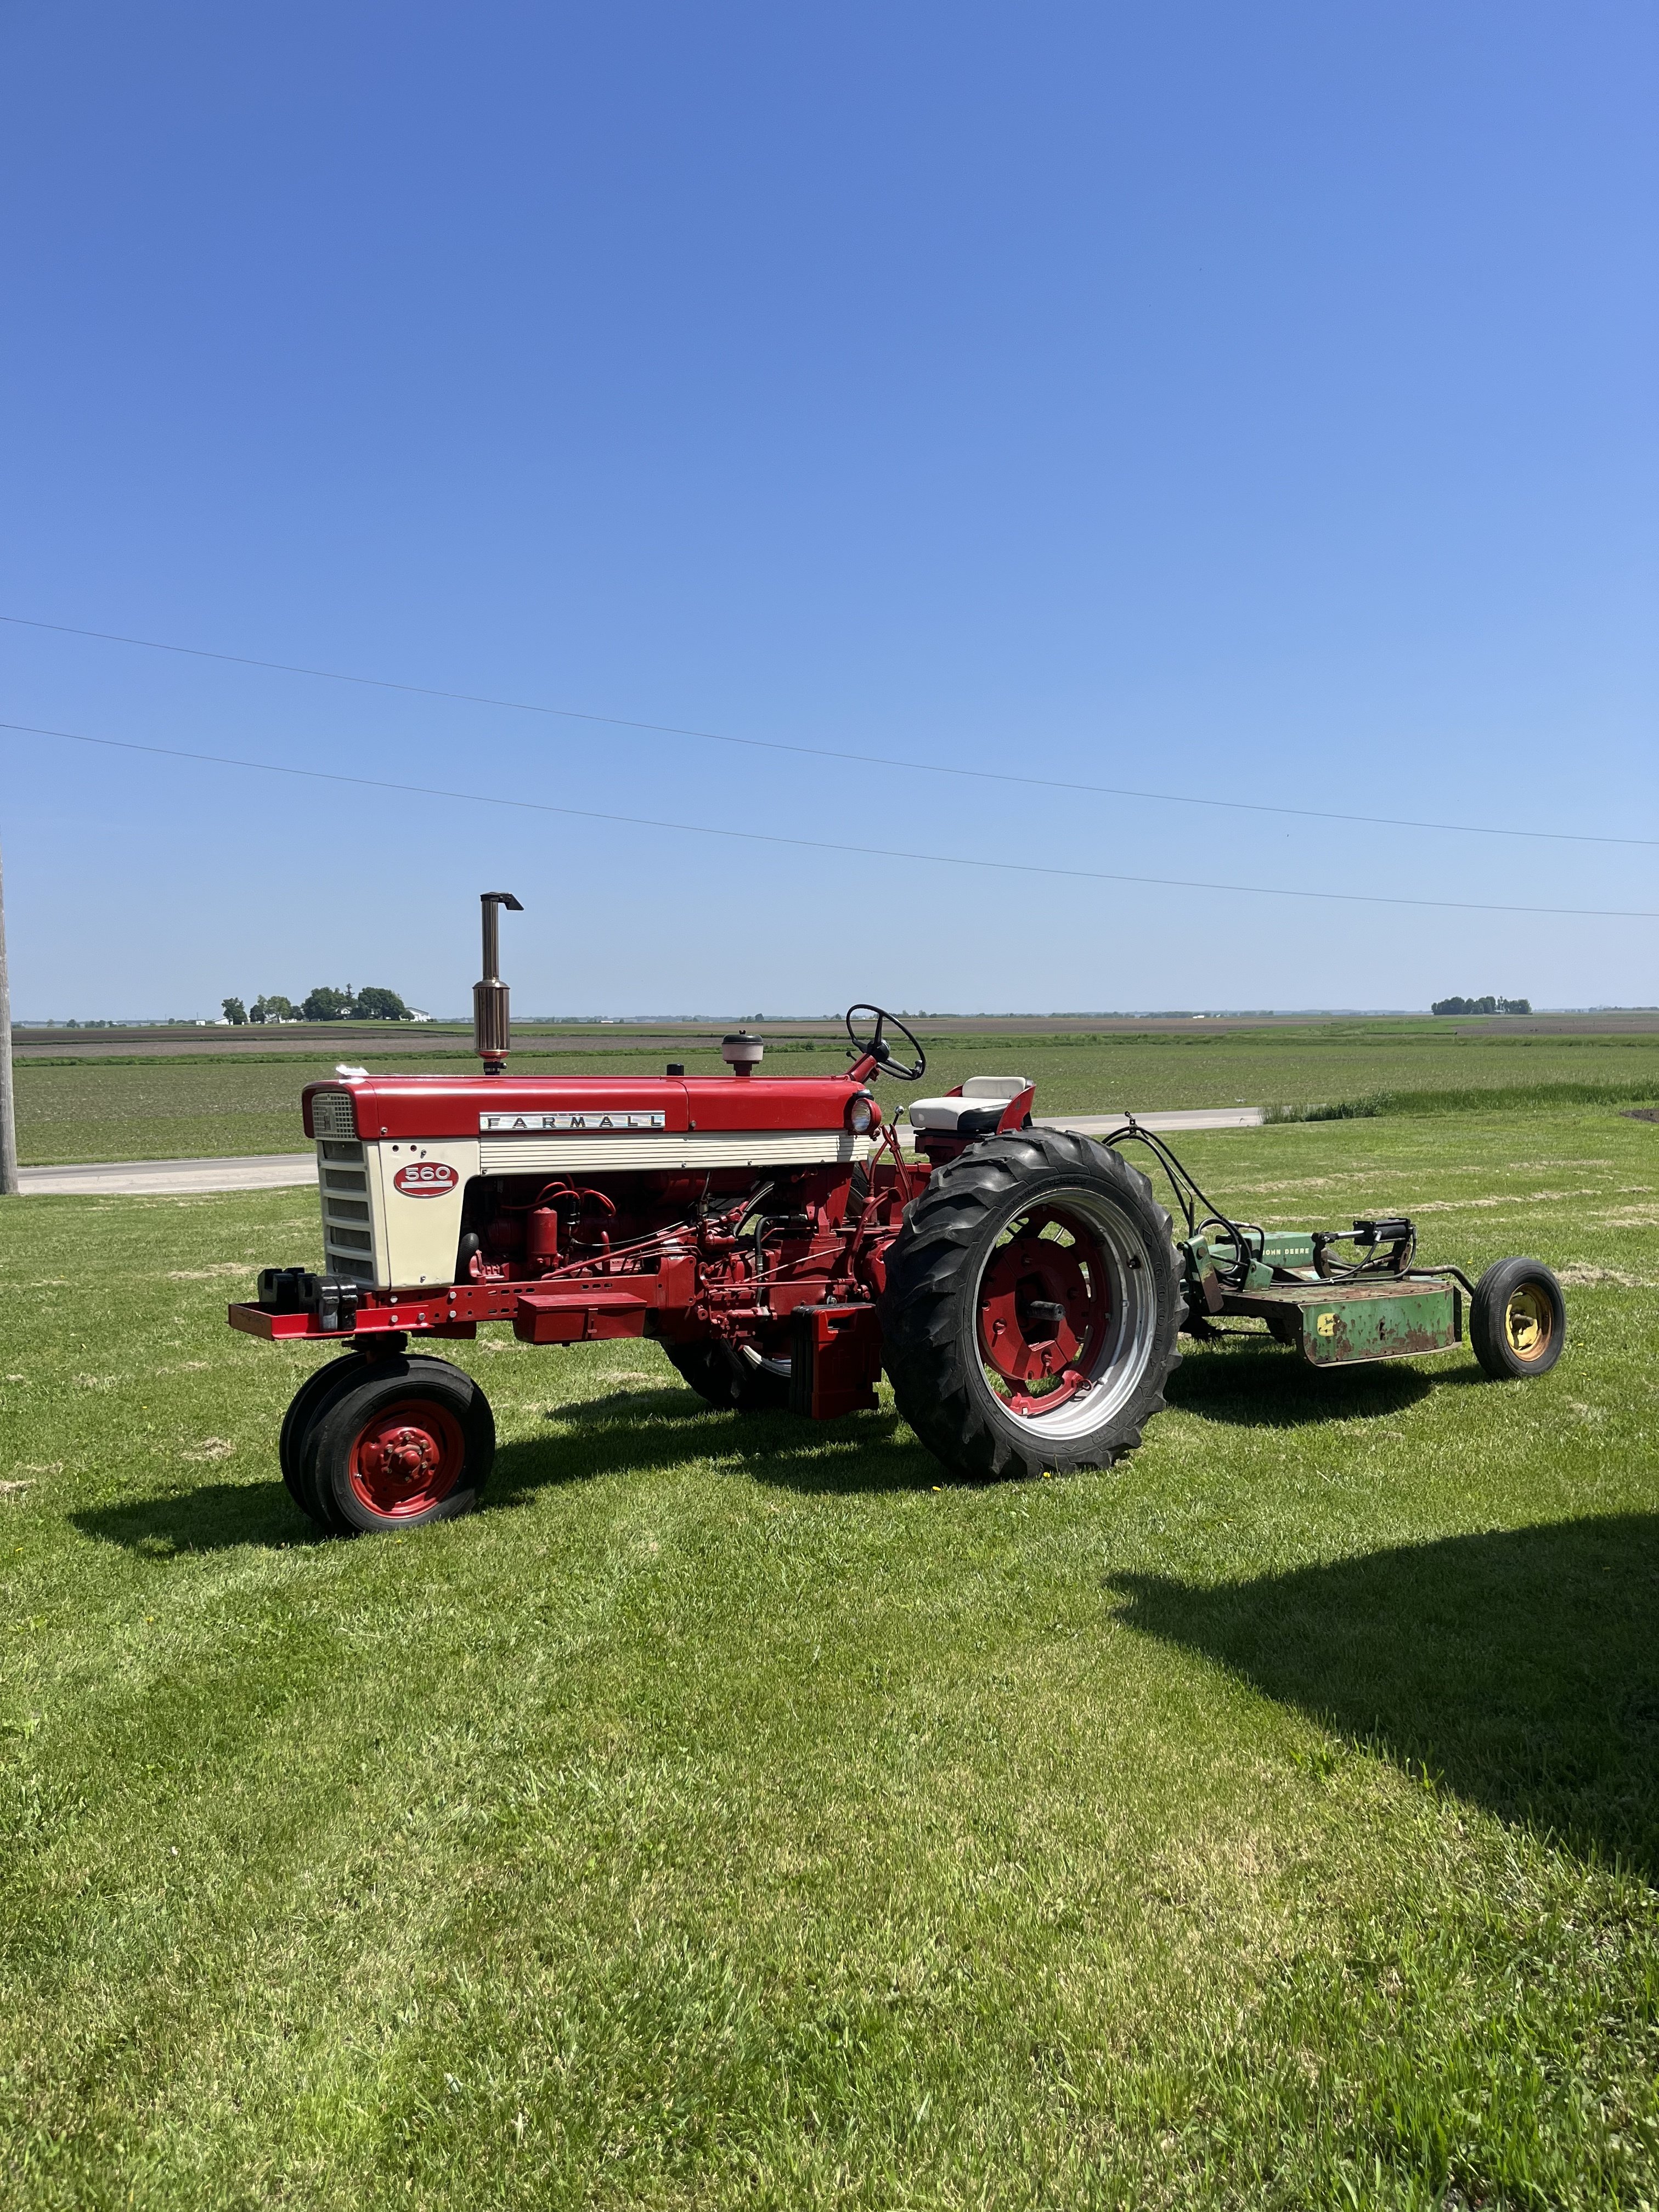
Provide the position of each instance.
(1255, 404)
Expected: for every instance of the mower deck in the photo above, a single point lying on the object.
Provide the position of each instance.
(1338, 1324)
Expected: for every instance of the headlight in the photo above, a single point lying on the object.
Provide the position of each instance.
(863, 1114)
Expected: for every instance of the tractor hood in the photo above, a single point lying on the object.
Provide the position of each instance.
(435, 1106)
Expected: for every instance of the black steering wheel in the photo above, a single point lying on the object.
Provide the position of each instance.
(876, 1046)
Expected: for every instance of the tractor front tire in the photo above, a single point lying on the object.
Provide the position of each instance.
(406, 1442)
(1518, 1321)
(302, 1409)
(1033, 1303)
(729, 1380)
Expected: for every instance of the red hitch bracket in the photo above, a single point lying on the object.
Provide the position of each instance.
(834, 1360)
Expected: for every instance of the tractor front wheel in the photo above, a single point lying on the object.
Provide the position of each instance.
(741, 1381)
(1518, 1321)
(407, 1441)
(1032, 1307)
(301, 1411)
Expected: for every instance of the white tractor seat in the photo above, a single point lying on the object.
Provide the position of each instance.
(975, 1112)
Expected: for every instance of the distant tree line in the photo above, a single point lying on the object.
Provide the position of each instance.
(1482, 1006)
(325, 1004)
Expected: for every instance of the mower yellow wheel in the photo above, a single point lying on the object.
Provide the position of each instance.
(1517, 1320)
(1528, 1323)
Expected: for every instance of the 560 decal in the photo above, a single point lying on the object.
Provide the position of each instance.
(425, 1179)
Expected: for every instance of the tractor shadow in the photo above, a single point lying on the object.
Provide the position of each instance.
(625, 1432)
(1519, 1667)
(209, 1517)
(1253, 1383)
(630, 1432)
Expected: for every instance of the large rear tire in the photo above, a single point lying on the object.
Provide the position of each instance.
(411, 1441)
(1032, 1307)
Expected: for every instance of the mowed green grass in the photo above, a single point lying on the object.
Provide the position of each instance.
(212, 1107)
(739, 1812)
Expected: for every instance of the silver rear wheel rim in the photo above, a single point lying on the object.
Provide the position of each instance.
(1116, 1367)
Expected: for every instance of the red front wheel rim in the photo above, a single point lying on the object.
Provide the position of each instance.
(407, 1459)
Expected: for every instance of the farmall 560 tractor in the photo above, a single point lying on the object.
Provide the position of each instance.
(1022, 1286)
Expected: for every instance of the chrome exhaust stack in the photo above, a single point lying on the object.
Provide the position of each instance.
(491, 1032)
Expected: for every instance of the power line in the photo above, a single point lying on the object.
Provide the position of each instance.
(828, 752)
(825, 845)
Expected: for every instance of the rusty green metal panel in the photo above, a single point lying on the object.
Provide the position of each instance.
(1397, 1327)
(1338, 1324)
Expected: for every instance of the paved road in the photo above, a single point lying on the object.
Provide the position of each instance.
(273, 1171)
(166, 1178)
(1182, 1117)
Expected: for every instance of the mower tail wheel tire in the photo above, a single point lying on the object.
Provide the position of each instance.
(302, 1408)
(404, 1441)
(1032, 1307)
(1518, 1321)
(731, 1383)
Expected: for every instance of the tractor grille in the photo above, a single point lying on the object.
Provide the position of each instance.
(333, 1113)
(348, 1222)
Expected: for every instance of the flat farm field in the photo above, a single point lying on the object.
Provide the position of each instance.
(236, 1102)
(737, 1812)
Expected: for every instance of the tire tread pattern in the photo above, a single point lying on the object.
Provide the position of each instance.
(1488, 1335)
(925, 1331)
(328, 1496)
(719, 1379)
(302, 1409)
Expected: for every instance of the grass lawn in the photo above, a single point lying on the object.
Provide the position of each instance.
(212, 1107)
(737, 1812)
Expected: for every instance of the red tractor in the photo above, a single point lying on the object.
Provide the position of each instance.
(1021, 1286)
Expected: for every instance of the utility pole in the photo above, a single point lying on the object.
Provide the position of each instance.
(7, 1110)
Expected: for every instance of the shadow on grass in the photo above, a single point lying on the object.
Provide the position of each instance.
(631, 1432)
(1519, 1668)
(627, 1432)
(210, 1517)
(1257, 1385)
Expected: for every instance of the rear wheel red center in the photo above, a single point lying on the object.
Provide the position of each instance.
(1045, 1303)
(1032, 1299)
(407, 1458)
